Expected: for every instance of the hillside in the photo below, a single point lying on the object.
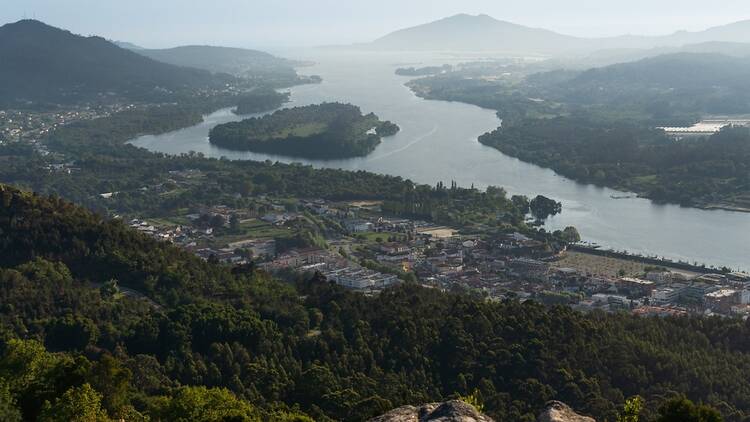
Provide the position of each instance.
(46, 64)
(690, 82)
(482, 33)
(610, 56)
(474, 33)
(261, 345)
(234, 61)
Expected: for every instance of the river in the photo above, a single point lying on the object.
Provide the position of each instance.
(438, 142)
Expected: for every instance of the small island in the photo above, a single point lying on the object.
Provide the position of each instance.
(260, 100)
(320, 131)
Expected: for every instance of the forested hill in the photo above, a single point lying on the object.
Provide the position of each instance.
(216, 342)
(41, 63)
(235, 61)
(712, 83)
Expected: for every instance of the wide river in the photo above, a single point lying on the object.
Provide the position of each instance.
(438, 142)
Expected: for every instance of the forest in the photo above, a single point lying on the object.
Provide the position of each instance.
(324, 131)
(626, 155)
(99, 320)
(260, 100)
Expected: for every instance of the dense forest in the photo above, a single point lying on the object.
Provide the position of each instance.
(99, 320)
(260, 100)
(704, 171)
(48, 65)
(325, 131)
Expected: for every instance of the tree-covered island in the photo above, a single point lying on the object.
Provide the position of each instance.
(260, 100)
(321, 131)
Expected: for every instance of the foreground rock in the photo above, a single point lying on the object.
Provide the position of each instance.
(458, 411)
(450, 411)
(560, 412)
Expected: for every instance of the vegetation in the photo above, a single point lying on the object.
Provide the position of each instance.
(43, 64)
(215, 342)
(662, 86)
(698, 172)
(327, 131)
(423, 71)
(600, 125)
(234, 61)
(260, 100)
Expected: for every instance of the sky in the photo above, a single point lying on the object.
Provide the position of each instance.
(300, 23)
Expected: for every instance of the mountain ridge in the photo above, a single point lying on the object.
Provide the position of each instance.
(464, 32)
(43, 63)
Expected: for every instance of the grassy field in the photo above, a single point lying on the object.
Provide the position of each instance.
(252, 229)
(596, 265)
(302, 131)
(372, 237)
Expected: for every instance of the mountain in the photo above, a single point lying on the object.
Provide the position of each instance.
(46, 64)
(482, 33)
(127, 45)
(601, 58)
(475, 33)
(235, 61)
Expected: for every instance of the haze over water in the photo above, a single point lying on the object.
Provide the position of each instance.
(438, 142)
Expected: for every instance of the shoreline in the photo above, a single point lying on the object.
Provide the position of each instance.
(663, 262)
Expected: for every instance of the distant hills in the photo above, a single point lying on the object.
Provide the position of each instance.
(681, 82)
(474, 33)
(234, 61)
(41, 63)
(484, 33)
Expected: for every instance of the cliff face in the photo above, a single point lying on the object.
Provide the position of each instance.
(458, 411)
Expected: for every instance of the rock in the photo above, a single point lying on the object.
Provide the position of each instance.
(450, 411)
(560, 412)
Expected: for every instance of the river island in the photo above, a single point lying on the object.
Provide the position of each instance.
(319, 131)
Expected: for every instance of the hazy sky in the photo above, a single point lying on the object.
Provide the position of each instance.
(274, 23)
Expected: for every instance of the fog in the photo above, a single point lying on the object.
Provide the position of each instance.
(278, 23)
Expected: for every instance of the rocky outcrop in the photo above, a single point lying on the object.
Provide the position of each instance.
(560, 412)
(450, 411)
(458, 411)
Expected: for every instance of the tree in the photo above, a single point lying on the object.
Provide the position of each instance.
(571, 235)
(109, 289)
(632, 410)
(217, 221)
(681, 409)
(542, 207)
(8, 410)
(113, 381)
(78, 404)
(201, 404)
(234, 223)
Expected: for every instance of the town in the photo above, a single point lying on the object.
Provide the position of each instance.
(363, 249)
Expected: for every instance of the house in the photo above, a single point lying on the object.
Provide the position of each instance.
(296, 258)
(697, 291)
(528, 267)
(722, 300)
(636, 287)
(665, 295)
(358, 226)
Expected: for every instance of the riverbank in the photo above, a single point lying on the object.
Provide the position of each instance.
(438, 143)
(644, 260)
